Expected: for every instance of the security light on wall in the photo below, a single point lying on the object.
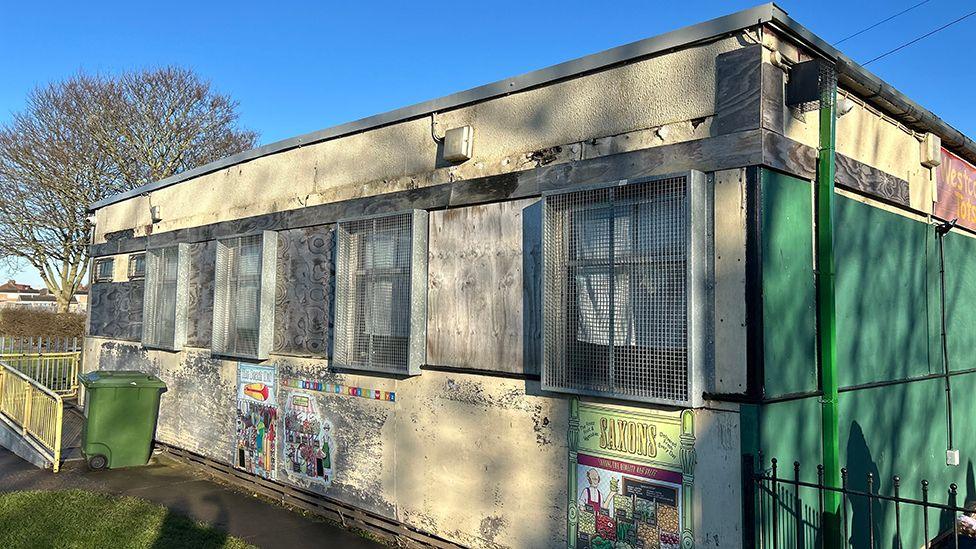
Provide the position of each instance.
(458, 144)
(844, 106)
(931, 150)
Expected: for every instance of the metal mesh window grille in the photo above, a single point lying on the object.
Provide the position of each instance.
(165, 284)
(104, 269)
(374, 281)
(616, 295)
(241, 296)
(137, 266)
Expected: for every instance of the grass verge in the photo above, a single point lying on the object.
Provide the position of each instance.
(78, 518)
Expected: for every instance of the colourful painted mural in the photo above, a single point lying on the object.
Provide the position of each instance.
(337, 389)
(257, 419)
(631, 478)
(309, 446)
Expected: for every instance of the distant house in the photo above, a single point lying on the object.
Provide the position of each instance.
(14, 294)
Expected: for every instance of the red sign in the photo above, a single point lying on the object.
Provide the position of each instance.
(956, 184)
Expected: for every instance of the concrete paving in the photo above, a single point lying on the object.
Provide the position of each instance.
(191, 492)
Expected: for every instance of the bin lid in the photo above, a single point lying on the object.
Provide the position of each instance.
(123, 378)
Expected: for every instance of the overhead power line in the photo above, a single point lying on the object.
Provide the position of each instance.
(924, 36)
(882, 22)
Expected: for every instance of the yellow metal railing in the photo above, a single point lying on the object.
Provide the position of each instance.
(31, 408)
(56, 371)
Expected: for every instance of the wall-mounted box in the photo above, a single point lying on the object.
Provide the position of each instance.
(458, 143)
(931, 153)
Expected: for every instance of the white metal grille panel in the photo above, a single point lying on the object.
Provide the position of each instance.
(244, 269)
(616, 291)
(164, 307)
(376, 296)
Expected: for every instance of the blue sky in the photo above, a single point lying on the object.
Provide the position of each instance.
(298, 67)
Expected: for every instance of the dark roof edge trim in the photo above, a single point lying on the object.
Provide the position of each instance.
(591, 63)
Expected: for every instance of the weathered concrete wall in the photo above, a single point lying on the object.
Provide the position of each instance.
(481, 461)
(512, 132)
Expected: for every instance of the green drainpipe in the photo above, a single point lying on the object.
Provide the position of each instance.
(826, 326)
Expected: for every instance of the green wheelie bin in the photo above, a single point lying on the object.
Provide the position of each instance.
(121, 408)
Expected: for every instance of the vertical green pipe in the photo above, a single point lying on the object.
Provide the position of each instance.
(826, 325)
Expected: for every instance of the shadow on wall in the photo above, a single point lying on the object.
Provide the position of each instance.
(860, 464)
(532, 288)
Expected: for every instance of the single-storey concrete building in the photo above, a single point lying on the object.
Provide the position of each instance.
(559, 309)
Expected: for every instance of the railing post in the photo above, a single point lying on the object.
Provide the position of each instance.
(749, 481)
(775, 507)
(28, 404)
(897, 480)
(843, 502)
(871, 508)
(925, 511)
(798, 505)
(953, 491)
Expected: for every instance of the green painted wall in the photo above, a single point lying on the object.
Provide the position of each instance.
(789, 296)
(888, 331)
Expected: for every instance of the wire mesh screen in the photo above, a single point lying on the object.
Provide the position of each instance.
(373, 293)
(159, 324)
(237, 302)
(616, 308)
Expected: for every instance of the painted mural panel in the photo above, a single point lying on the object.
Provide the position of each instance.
(257, 420)
(631, 478)
(308, 445)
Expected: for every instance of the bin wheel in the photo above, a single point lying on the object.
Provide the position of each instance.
(97, 462)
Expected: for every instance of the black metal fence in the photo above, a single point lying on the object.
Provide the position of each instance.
(787, 506)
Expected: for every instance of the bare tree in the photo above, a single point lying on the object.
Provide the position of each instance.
(89, 137)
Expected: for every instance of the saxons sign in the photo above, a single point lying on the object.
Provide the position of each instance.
(631, 477)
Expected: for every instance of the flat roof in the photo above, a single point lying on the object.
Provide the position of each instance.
(871, 88)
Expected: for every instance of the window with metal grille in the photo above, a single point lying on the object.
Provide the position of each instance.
(164, 301)
(621, 278)
(243, 319)
(137, 266)
(381, 293)
(104, 269)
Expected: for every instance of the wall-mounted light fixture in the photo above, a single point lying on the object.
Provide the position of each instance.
(931, 152)
(844, 105)
(458, 144)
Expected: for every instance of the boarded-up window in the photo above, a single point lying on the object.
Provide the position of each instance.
(164, 309)
(244, 295)
(381, 282)
(618, 276)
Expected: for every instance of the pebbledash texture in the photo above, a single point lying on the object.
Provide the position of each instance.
(560, 309)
